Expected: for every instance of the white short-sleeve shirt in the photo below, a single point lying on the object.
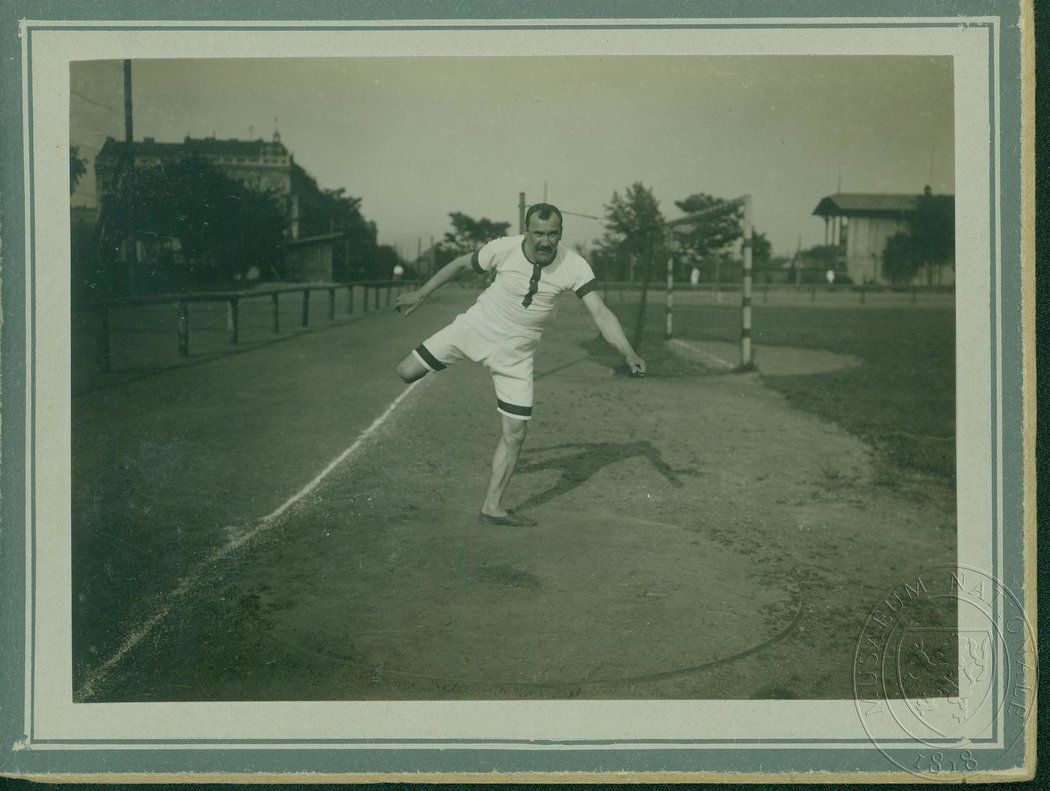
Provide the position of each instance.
(522, 297)
(502, 328)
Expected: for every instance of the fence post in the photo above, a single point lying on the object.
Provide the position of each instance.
(232, 329)
(389, 288)
(184, 328)
(331, 304)
(745, 332)
(669, 321)
(914, 294)
(375, 291)
(364, 302)
(274, 297)
(102, 355)
(306, 307)
(350, 298)
(863, 292)
(813, 293)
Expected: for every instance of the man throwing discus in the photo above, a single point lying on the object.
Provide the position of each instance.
(502, 329)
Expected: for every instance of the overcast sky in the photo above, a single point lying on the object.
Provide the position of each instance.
(418, 138)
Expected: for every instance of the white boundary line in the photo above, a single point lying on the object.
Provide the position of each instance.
(696, 350)
(136, 635)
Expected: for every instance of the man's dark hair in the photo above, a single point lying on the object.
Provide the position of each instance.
(544, 210)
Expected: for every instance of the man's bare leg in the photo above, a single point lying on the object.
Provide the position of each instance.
(503, 462)
(410, 369)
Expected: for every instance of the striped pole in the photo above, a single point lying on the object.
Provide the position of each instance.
(745, 333)
(669, 328)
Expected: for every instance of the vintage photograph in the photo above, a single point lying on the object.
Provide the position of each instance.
(508, 378)
(530, 399)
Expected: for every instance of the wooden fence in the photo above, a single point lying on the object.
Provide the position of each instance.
(379, 293)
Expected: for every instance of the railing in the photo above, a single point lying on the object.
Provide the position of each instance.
(811, 289)
(372, 291)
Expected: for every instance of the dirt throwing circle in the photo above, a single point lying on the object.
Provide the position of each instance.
(586, 599)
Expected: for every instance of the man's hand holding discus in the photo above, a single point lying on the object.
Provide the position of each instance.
(636, 365)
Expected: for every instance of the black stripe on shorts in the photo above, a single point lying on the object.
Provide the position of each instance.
(587, 288)
(432, 361)
(514, 409)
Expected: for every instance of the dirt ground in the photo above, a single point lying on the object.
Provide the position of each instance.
(698, 537)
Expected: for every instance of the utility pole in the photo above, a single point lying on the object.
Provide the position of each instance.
(432, 261)
(798, 265)
(129, 171)
(544, 191)
(521, 212)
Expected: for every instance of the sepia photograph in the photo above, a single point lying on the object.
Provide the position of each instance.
(712, 300)
(645, 396)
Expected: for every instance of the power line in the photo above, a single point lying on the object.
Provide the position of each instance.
(89, 100)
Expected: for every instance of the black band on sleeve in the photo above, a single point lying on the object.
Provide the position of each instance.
(475, 264)
(429, 360)
(587, 288)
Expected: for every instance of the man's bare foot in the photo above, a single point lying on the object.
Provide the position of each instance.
(509, 519)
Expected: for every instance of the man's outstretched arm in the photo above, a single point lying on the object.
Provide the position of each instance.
(411, 300)
(610, 328)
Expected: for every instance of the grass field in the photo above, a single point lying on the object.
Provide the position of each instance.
(288, 522)
(901, 399)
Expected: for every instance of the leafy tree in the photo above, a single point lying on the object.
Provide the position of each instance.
(468, 234)
(608, 262)
(77, 167)
(714, 231)
(761, 250)
(706, 242)
(930, 239)
(341, 213)
(902, 258)
(634, 230)
(223, 227)
(383, 262)
(932, 228)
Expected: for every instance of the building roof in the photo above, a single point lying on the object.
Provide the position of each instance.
(860, 204)
(206, 146)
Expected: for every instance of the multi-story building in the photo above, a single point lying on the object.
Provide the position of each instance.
(266, 165)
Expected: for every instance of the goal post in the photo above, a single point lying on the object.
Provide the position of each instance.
(747, 230)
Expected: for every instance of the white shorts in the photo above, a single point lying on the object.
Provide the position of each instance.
(508, 359)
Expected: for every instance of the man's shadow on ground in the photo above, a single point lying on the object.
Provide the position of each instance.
(589, 457)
